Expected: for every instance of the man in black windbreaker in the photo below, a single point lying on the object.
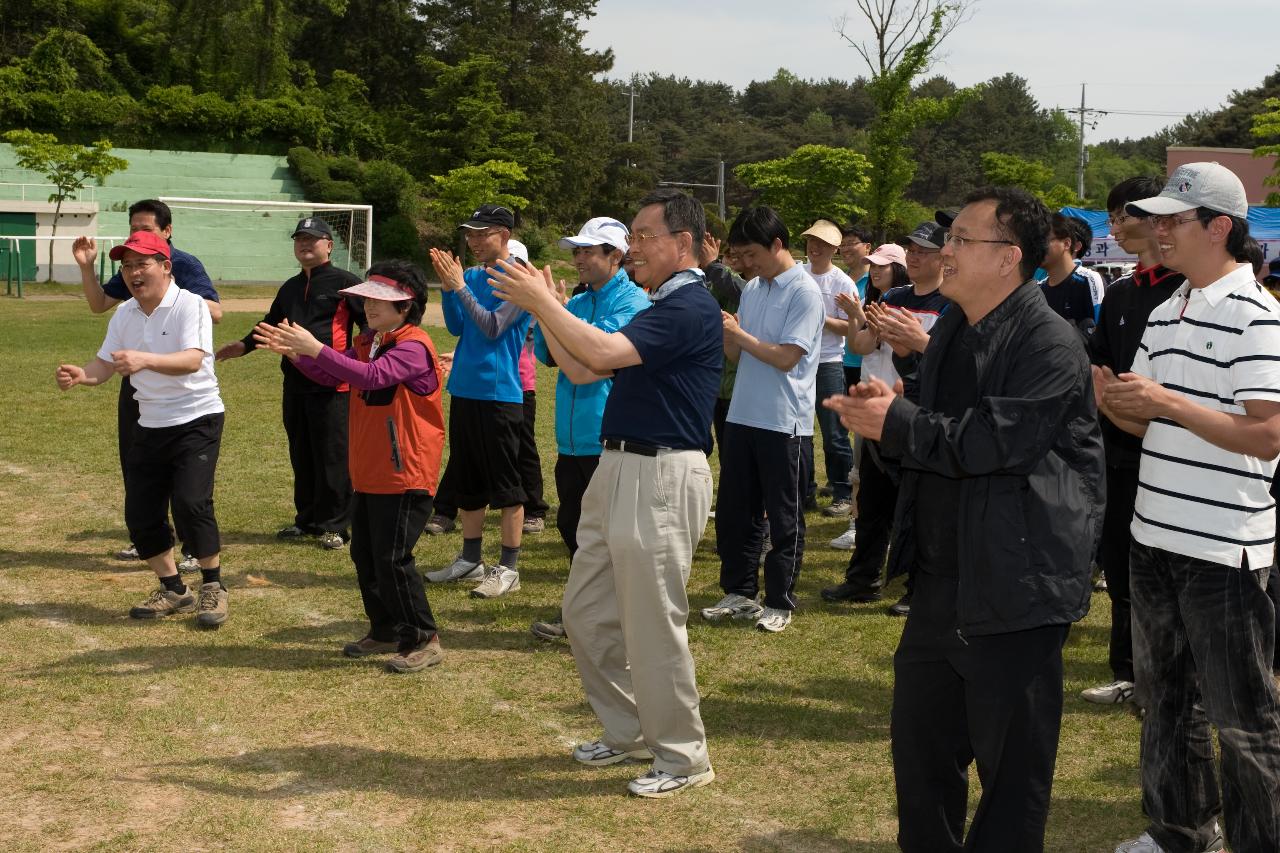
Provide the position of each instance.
(315, 415)
(999, 508)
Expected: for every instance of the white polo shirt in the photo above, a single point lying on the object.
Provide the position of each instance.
(1219, 346)
(831, 282)
(180, 322)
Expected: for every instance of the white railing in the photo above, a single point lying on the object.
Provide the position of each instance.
(44, 192)
(14, 253)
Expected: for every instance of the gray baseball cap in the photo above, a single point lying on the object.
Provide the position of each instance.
(1208, 185)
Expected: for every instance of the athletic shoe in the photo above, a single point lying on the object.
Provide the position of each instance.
(458, 570)
(1100, 585)
(189, 565)
(1144, 843)
(845, 541)
(1115, 693)
(130, 553)
(366, 646)
(213, 605)
(597, 754)
(773, 620)
(439, 524)
(293, 531)
(331, 541)
(534, 525)
(550, 630)
(901, 607)
(839, 509)
(162, 603)
(732, 606)
(498, 581)
(418, 658)
(659, 784)
(851, 593)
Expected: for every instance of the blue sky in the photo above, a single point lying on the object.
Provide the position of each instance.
(1135, 55)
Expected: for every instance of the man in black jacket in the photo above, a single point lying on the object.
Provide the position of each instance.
(315, 416)
(999, 509)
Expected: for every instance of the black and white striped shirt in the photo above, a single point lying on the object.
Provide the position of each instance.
(1219, 346)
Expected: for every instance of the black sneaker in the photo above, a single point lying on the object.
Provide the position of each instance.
(852, 593)
(901, 607)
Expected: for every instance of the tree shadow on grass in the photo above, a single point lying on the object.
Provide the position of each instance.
(777, 710)
(62, 612)
(800, 841)
(324, 768)
(62, 560)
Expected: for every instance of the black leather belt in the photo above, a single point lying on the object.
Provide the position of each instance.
(632, 447)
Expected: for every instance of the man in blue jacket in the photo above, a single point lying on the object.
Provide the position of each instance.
(487, 408)
(609, 302)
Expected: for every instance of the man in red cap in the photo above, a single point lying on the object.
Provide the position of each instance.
(162, 339)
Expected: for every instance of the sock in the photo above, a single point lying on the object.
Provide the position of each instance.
(174, 583)
(471, 549)
(213, 575)
(510, 556)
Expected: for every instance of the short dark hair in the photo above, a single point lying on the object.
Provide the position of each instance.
(1082, 234)
(154, 206)
(1236, 237)
(1252, 255)
(411, 276)
(760, 225)
(1022, 219)
(680, 212)
(1133, 189)
(862, 232)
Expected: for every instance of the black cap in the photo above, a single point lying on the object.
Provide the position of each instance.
(945, 217)
(313, 226)
(488, 215)
(929, 235)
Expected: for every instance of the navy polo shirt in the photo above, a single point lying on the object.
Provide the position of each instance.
(188, 273)
(667, 399)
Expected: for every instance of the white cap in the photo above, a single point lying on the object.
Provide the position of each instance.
(599, 231)
(1208, 185)
(518, 250)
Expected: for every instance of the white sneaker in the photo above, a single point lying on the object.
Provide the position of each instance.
(498, 581)
(597, 754)
(732, 606)
(1115, 693)
(458, 570)
(773, 620)
(845, 541)
(189, 565)
(659, 784)
(1144, 843)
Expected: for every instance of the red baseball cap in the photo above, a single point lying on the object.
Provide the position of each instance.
(144, 243)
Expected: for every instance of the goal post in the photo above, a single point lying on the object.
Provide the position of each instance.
(247, 240)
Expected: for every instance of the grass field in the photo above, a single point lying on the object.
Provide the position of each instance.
(120, 735)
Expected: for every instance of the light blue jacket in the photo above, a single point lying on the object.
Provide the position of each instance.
(579, 408)
(486, 363)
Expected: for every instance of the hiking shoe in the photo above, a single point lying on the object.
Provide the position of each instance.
(130, 553)
(366, 646)
(901, 607)
(659, 784)
(839, 509)
(845, 541)
(189, 565)
(534, 525)
(293, 531)
(498, 581)
(849, 592)
(418, 658)
(550, 630)
(458, 570)
(213, 605)
(1144, 843)
(597, 753)
(331, 541)
(162, 603)
(773, 620)
(1115, 693)
(732, 606)
(439, 524)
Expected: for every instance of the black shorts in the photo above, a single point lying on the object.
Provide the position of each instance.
(484, 453)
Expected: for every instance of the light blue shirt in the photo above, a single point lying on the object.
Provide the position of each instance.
(785, 310)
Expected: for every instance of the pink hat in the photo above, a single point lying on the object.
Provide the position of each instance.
(889, 253)
(380, 287)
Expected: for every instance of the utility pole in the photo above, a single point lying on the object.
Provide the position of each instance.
(720, 191)
(631, 115)
(1087, 117)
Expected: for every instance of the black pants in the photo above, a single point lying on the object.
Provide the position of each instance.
(384, 531)
(316, 425)
(719, 417)
(573, 475)
(877, 497)
(126, 423)
(996, 700)
(762, 472)
(173, 466)
(1122, 494)
(530, 463)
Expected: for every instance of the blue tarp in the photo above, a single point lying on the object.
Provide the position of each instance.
(1264, 222)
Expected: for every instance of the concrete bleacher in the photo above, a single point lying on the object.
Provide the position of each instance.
(234, 246)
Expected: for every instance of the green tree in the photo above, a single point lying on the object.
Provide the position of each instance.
(460, 191)
(68, 167)
(1010, 170)
(1266, 126)
(813, 182)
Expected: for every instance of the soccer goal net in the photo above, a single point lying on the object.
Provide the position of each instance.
(249, 240)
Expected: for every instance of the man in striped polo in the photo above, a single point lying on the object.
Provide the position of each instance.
(1204, 393)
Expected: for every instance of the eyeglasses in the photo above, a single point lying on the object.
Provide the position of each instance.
(960, 242)
(136, 266)
(920, 253)
(1119, 219)
(639, 238)
(477, 233)
(1169, 222)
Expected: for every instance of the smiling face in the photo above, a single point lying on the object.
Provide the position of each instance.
(881, 276)
(489, 245)
(819, 252)
(924, 266)
(853, 251)
(312, 251)
(979, 263)
(383, 315)
(146, 276)
(655, 251)
(595, 264)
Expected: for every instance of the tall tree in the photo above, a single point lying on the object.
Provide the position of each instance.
(813, 182)
(1266, 127)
